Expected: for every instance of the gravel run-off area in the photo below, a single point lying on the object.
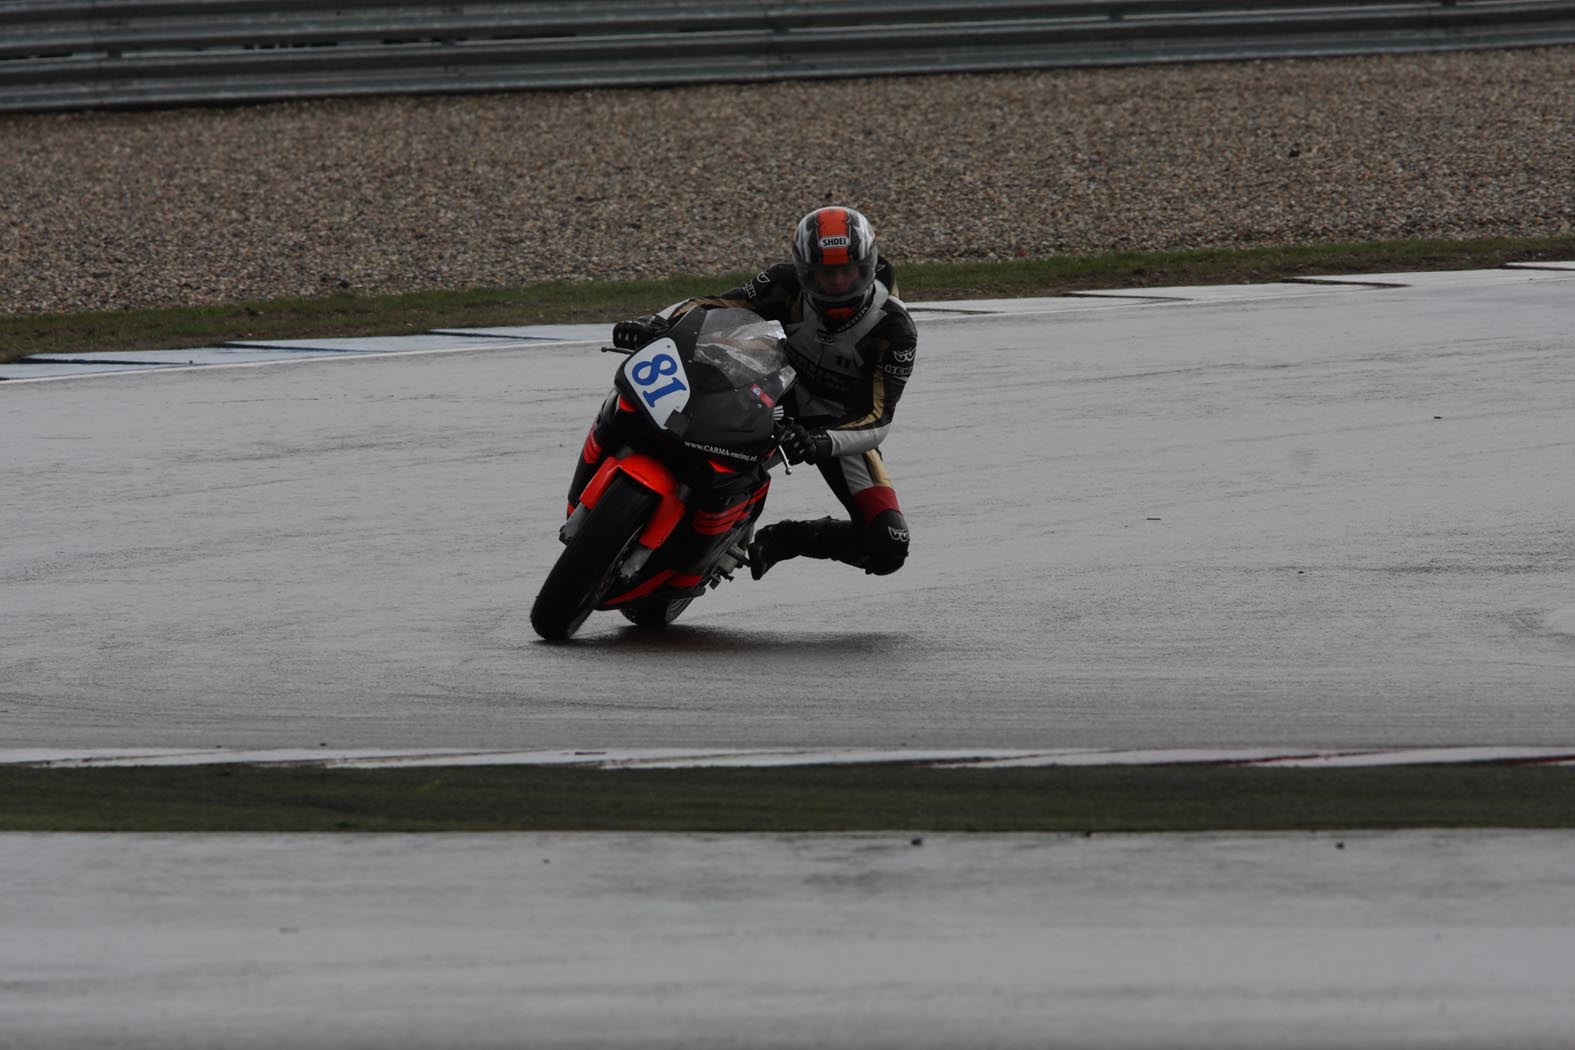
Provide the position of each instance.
(104, 210)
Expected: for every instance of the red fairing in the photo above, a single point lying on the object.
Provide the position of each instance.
(665, 578)
(654, 476)
(716, 522)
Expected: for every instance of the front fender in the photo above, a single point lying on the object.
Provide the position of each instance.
(652, 474)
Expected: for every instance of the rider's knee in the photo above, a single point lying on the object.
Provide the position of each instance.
(886, 543)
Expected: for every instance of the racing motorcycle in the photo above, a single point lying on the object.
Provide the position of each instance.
(695, 418)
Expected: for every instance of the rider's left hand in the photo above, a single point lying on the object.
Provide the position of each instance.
(633, 334)
(803, 445)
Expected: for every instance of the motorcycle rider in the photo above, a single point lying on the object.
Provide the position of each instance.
(852, 343)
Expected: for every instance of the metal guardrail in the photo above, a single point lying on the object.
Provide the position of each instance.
(117, 53)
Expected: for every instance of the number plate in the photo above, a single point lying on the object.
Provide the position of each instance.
(657, 375)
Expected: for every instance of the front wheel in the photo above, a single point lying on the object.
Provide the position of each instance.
(585, 569)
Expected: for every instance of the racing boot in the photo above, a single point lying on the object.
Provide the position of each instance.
(793, 539)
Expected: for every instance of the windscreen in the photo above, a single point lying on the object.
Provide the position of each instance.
(741, 345)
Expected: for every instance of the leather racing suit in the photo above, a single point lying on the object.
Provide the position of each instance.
(850, 380)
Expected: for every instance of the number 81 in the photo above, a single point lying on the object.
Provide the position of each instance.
(647, 372)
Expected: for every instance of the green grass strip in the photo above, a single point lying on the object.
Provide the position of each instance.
(347, 314)
(797, 799)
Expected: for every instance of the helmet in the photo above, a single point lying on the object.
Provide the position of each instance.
(834, 254)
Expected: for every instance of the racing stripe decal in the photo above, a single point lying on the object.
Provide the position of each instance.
(834, 223)
(716, 522)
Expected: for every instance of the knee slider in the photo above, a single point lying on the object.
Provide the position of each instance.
(886, 543)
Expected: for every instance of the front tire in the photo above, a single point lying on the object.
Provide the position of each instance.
(585, 569)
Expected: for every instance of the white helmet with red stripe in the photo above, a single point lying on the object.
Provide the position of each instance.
(834, 254)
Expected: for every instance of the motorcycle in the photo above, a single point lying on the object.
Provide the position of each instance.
(695, 422)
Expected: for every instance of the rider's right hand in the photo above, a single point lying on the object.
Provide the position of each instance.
(803, 445)
(633, 334)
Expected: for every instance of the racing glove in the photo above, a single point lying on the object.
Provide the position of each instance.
(631, 335)
(803, 445)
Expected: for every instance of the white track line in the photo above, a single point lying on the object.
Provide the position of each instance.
(695, 758)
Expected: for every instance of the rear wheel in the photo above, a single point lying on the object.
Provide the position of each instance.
(585, 569)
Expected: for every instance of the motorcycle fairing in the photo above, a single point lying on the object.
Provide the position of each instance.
(665, 578)
(678, 569)
(717, 522)
(652, 474)
(712, 384)
(658, 380)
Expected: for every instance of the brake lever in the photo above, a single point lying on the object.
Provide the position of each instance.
(776, 438)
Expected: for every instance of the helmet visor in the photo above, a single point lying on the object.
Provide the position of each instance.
(837, 282)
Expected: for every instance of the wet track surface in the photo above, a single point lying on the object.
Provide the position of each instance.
(1290, 516)
(1311, 515)
(1207, 941)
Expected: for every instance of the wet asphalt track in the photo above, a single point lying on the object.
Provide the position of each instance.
(1311, 515)
(1375, 941)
